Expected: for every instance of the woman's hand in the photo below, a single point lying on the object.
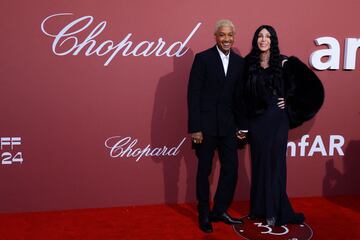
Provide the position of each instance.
(281, 103)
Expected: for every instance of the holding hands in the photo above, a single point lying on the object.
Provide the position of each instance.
(241, 134)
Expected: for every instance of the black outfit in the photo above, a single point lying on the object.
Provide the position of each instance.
(268, 137)
(211, 97)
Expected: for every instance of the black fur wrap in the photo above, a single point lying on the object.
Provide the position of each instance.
(304, 92)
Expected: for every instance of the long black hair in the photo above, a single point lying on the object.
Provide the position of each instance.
(254, 87)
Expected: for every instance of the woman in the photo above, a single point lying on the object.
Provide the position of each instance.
(281, 93)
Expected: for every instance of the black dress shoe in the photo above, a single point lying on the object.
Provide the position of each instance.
(225, 218)
(205, 224)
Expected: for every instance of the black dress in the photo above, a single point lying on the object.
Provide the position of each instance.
(268, 136)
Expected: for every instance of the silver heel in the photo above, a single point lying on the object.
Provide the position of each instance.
(270, 221)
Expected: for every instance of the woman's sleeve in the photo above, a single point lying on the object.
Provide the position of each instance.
(304, 92)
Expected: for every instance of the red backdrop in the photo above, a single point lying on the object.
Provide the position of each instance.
(58, 111)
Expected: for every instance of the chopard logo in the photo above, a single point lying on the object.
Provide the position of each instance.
(68, 42)
(126, 147)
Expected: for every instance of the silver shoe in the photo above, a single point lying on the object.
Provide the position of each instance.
(270, 221)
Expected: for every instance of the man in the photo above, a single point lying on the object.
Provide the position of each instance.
(214, 76)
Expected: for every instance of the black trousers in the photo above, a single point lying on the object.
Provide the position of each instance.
(227, 150)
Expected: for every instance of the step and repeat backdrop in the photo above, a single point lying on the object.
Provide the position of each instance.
(93, 99)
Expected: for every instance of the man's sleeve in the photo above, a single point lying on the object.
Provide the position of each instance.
(241, 113)
(196, 79)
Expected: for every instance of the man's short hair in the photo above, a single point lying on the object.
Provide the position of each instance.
(223, 23)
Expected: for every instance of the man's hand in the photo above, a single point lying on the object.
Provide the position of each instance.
(240, 135)
(197, 137)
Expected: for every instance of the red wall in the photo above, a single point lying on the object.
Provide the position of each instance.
(64, 108)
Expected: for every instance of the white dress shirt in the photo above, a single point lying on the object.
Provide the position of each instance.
(224, 59)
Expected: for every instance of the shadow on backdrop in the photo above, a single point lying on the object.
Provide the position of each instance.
(347, 183)
(169, 127)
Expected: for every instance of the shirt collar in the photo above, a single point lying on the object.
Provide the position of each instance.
(222, 55)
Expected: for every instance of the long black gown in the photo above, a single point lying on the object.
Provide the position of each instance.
(268, 137)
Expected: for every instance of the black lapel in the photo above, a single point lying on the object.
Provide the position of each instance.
(219, 66)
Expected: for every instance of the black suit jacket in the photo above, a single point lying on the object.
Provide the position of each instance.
(211, 94)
